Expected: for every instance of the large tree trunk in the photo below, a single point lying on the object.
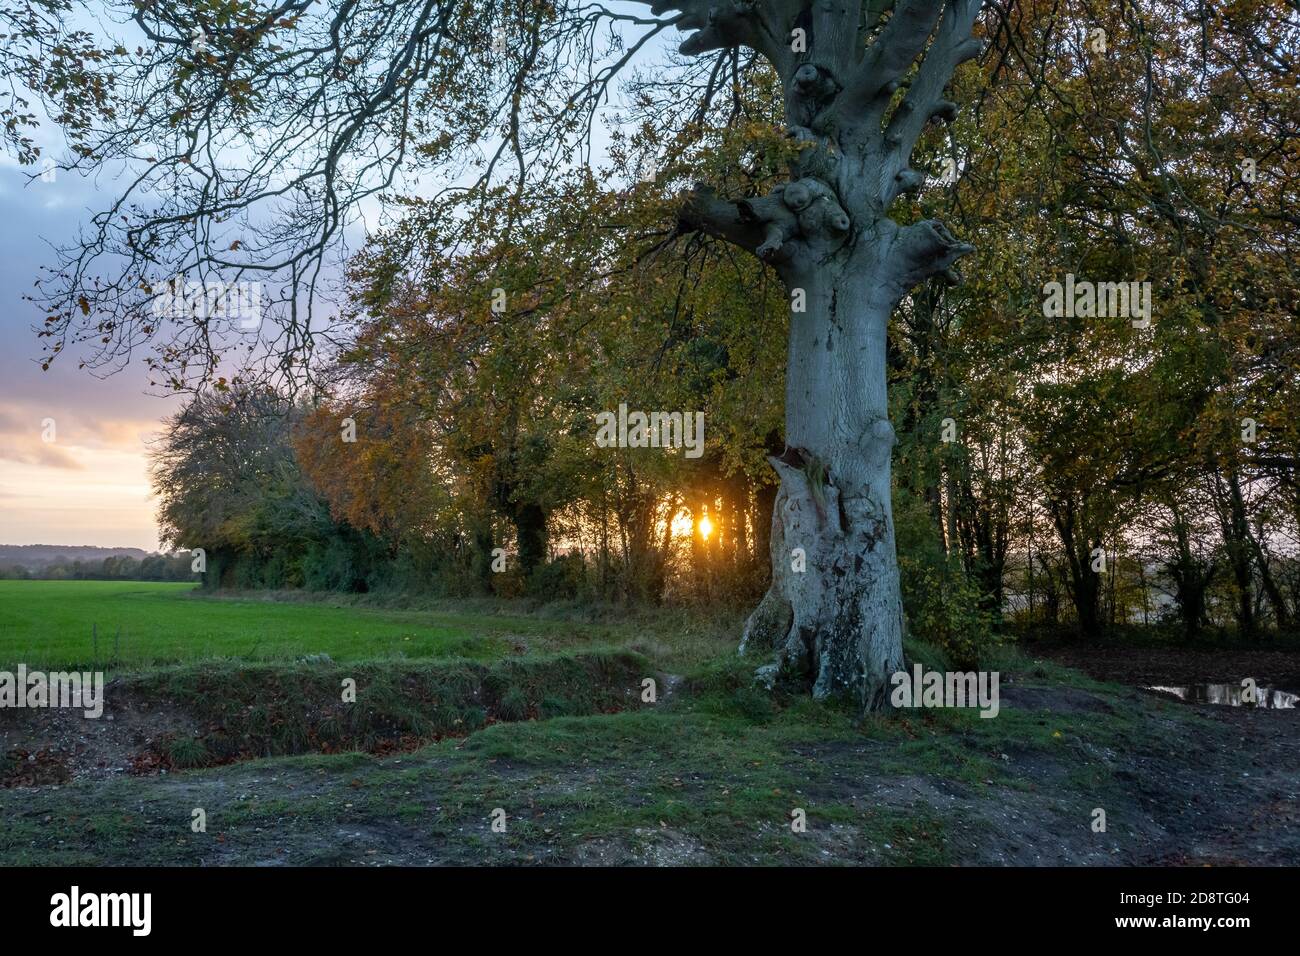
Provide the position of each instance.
(837, 625)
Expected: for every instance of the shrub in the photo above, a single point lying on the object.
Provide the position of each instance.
(561, 579)
(941, 601)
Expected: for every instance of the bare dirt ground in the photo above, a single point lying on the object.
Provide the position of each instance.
(58, 746)
(1236, 801)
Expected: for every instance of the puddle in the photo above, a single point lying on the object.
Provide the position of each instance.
(1230, 695)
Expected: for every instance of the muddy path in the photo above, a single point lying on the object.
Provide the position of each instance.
(1147, 666)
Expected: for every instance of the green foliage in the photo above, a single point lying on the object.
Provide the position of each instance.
(331, 565)
(941, 601)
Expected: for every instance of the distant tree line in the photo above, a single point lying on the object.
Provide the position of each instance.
(154, 567)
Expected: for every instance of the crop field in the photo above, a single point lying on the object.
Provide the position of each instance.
(129, 623)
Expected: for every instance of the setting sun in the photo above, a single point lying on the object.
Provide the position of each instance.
(706, 527)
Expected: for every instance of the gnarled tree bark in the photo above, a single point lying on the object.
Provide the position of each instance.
(836, 626)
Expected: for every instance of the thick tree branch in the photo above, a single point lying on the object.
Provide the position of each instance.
(835, 41)
(703, 211)
(760, 25)
(893, 51)
(926, 249)
(952, 46)
(799, 217)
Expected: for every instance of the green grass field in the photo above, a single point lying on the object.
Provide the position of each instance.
(49, 624)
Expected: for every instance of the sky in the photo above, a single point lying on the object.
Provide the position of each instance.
(83, 479)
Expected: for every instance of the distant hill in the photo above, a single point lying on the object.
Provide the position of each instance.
(36, 556)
